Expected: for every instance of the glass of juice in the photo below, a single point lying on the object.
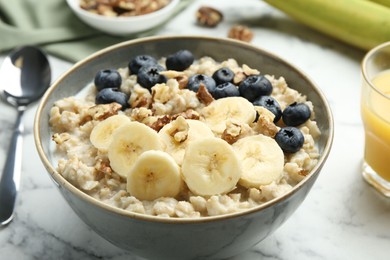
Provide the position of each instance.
(375, 111)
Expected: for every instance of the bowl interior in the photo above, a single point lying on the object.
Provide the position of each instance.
(220, 49)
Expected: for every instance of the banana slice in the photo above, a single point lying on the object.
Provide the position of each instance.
(219, 111)
(101, 134)
(262, 160)
(179, 133)
(155, 174)
(210, 167)
(128, 142)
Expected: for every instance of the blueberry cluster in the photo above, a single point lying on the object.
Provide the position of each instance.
(108, 82)
(290, 138)
(255, 88)
(148, 70)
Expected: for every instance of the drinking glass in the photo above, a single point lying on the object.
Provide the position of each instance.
(375, 111)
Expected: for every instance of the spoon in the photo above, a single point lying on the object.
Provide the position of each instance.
(24, 77)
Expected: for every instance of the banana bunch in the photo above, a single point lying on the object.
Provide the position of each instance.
(157, 164)
(361, 23)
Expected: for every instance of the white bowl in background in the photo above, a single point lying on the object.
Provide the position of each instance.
(123, 25)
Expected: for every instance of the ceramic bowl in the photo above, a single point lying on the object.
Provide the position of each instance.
(123, 25)
(168, 238)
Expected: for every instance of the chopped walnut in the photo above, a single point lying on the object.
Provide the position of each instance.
(238, 77)
(179, 129)
(102, 111)
(161, 122)
(248, 71)
(179, 76)
(171, 74)
(140, 114)
(232, 132)
(265, 123)
(140, 97)
(103, 168)
(60, 138)
(122, 7)
(141, 101)
(105, 10)
(189, 114)
(183, 81)
(208, 16)
(240, 32)
(164, 92)
(204, 95)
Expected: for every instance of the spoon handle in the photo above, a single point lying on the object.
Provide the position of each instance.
(10, 179)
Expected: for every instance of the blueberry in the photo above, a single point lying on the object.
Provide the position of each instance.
(107, 78)
(271, 104)
(225, 90)
(290, 139)
(223, 75)
(255, 86)
(148, 76)
(296, 114)
(110, 95)
(197, 79)
(139, 61)
(179, 61)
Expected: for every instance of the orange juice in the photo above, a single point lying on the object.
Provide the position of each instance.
(376, 117)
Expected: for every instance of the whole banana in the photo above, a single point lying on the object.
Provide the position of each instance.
(361, 23)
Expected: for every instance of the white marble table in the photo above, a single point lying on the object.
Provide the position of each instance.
(342, 218)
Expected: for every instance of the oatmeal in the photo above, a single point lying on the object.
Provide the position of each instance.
(184, 138)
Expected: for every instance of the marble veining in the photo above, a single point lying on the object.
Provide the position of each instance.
(342, 217)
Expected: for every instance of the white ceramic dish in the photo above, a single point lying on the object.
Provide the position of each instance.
(123, 25)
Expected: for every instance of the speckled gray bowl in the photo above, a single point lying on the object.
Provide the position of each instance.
(204, 238)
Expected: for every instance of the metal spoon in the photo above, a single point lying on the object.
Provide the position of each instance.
(24, 76)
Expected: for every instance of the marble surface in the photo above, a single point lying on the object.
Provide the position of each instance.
(342, 218)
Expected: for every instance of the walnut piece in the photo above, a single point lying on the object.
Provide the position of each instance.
(232, 132)
(204, 95)
(183, 81)
(189, 114)
(141, 101)
(240, 32)
(179, 76)
(238, 77)
(248, 71)
(265, 123)
(103, 168)
(161, 122)
(60, 138)
(166, 119)
(116, 8)
(208, 16)
(102, 111)
(179, 129)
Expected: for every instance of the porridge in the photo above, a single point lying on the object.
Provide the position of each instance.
(185, 138)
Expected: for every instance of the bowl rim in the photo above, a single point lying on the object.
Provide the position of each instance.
(73, 4)
(63, 183)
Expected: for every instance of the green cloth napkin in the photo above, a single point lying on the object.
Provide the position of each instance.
(52, 25)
